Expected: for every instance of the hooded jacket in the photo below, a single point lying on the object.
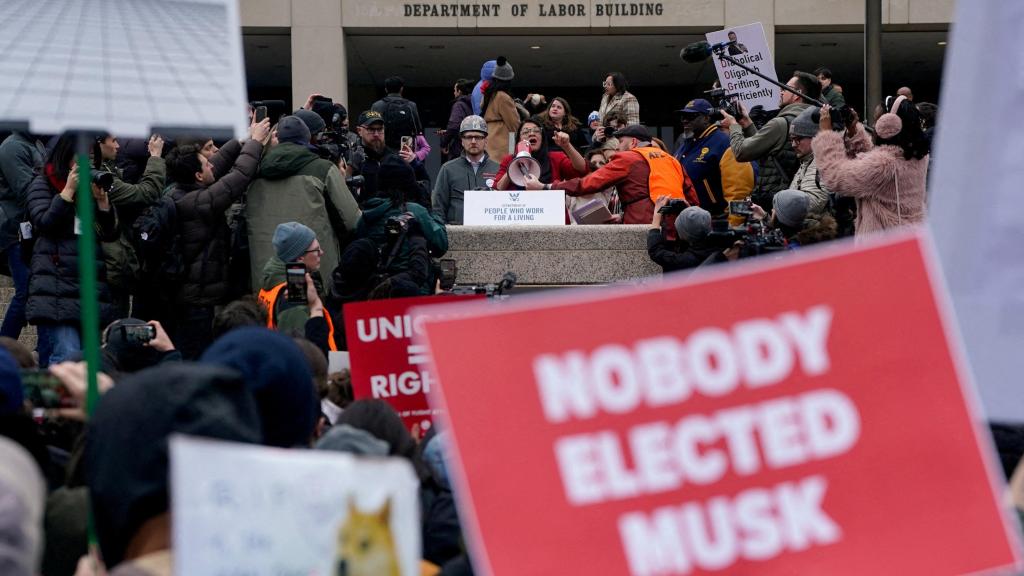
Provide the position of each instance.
(296, 185)
(372, 225)
(126, 452)
(205, 236)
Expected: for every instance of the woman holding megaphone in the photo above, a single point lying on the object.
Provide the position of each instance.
(535, 159)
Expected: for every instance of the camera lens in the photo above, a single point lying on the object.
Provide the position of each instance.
(105, 180)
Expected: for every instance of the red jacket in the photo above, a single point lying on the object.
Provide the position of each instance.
(561, 168)
(630, 173)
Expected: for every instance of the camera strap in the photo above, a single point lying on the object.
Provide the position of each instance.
(899, 210)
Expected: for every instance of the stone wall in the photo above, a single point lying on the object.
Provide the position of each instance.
(551, 255)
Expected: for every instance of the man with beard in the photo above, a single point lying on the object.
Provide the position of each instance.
(709, 161)
(470, 171)
(371, 133)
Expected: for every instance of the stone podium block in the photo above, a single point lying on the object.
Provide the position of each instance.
(551, 255)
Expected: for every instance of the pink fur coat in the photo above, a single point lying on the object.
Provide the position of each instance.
(889, 190)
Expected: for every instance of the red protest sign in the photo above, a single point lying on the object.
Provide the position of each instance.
(385, 362)
(805, 417)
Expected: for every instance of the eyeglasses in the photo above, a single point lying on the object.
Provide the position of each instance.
(532, 131)
(473, 138)
(314, 250)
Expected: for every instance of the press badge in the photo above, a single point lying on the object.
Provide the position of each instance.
(26, 230)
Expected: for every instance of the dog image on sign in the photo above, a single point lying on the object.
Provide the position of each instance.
(241, 509)
(366, 546)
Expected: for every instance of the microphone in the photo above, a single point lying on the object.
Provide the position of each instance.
(700, 51)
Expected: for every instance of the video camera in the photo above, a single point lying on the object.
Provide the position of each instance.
(495, 291)
(726, 102)
(674, 206)
(756, 237)
(333, 143)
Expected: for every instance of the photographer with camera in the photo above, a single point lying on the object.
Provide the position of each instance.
(770, 146)
(390, 219)
(792, 217)
(693, 248)
(129, 200)
(709, 161)
(335, 143)
(54, 305)
(603, 135)
(294, 184)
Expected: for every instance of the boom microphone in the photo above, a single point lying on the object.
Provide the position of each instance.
(700, 51)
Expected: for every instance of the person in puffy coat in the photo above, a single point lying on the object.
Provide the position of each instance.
(54, 304)
(200, 200)
(887, 178)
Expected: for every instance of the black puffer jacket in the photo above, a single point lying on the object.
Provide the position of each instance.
(53, 296)
(205, 236)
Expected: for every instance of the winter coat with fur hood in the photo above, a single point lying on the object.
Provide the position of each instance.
(889, 189)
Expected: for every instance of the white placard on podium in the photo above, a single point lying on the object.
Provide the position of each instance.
(514, 207)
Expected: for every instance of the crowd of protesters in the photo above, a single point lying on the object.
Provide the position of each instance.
(197, 242)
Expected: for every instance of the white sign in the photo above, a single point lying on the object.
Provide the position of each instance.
(978, 248)
(176, 64)
(514, 208)
(750, 49)
(244, 509)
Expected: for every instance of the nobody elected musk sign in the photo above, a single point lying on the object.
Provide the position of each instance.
(805, 417)
(385, 362)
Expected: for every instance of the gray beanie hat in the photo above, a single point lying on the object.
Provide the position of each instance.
(291, 240)
(292, 129)
(503, 71)
(804, 125)
(693, 224)
(791, 207)
(313, 120)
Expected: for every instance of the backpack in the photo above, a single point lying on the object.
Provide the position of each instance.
(156, 236)
(777, 171)
(399, 120)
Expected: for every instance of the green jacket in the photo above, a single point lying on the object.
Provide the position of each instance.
(295, 185)
(376, 212)
(130, 200)
(289, 318)
(20, 157)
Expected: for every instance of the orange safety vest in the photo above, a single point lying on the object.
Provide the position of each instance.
(666, 177)
(268, 298)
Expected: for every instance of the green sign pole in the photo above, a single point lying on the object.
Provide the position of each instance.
(88, 297)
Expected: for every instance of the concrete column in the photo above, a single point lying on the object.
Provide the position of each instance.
(318, 51)
(739, 12)
(872, 58)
